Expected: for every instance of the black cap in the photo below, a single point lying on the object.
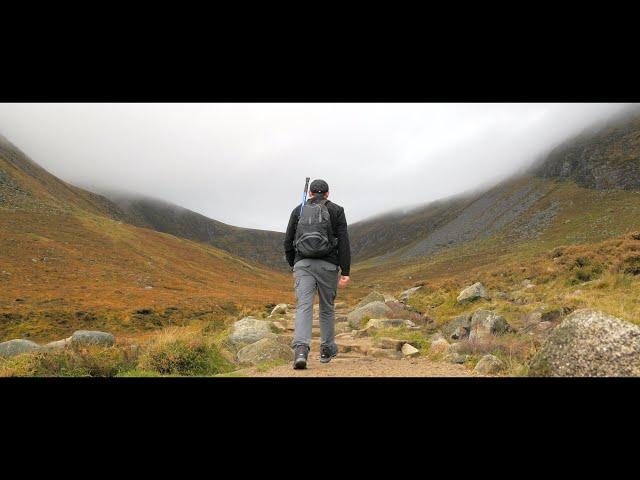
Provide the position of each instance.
(319, 186)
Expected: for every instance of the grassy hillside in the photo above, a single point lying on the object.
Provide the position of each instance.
(262, 246)
(67, 263)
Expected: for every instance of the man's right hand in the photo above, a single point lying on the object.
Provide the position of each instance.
(343, 281)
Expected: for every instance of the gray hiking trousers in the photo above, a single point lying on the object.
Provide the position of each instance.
(313, 274)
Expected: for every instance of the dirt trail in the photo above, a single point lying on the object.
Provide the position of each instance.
(366, 367)
(359, 356)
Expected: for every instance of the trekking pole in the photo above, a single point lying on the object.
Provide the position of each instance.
(304, 195)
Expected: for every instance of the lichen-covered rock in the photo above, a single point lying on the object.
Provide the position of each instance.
(589, 343)
(264, 350)
(489, 365)
(84, 338)
(16, 347)
(472, 293)
(372, 310)
(458, 327)
(485, 323)
(249, 330)
(372, 297)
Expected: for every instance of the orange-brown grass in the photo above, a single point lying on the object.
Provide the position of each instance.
(58, 269)
(602, 275)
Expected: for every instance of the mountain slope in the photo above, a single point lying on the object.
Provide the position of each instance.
(586, 190)
(262, 246)
(608, 157)
(67, 262)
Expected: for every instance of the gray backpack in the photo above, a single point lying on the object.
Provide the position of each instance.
(314, 235)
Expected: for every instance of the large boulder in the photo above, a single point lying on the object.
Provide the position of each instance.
(264, 350)
(372, 310)
(372, 297)
(472, 293)
(84, 338)
(589, 343)
(16, 347)
(458, 327)
(249, 330)
(485, 323)
(489, 365)
(407, 294)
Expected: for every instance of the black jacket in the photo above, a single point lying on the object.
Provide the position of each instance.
(341, 255)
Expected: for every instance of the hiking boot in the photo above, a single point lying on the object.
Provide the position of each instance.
(327, 353)
(301, 354)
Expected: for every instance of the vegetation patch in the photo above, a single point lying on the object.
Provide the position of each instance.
(188, 355)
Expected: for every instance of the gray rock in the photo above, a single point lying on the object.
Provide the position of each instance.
(472, 293)
(453, 357)
(407, 294)
(372, 310)
(372, 297)
(264, 350)
(279, 309)
(389, 323)
(543, 315)
(458, 327)
(489, 365)
(485, 323)
(249, 330)
(409, 350)
(589, 343)
(526, 283)
(16, 347)
(57, 345)
(83, 338)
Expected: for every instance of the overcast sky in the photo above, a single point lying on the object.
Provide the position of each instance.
(245, 164)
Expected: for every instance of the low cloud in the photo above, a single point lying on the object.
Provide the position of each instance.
(244, 164)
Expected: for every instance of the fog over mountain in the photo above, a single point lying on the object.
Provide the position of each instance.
(244, 164)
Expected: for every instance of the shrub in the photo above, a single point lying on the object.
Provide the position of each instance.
(582, 262)
(631, 265)
(92, 362)
(184, 356)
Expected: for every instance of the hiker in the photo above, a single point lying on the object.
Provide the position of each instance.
(316, 245)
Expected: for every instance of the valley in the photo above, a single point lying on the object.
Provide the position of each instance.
(560, 238)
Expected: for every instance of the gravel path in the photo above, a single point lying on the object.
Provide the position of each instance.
(366, 367)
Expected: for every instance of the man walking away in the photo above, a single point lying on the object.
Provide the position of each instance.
(316, 244)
